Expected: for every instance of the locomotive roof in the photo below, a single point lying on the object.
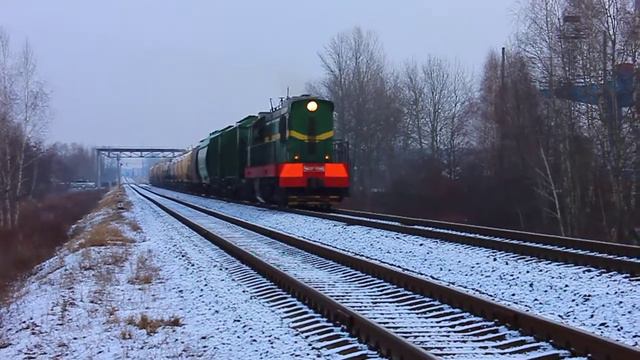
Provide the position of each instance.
(247, 121)
(288, 101)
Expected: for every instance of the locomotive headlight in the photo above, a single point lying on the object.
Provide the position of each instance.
(312, 106)
(326, 157)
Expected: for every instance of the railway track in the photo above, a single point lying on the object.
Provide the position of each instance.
(602, 255)
(329, 338)
(607, 256)
(401, 315)
(601, 247)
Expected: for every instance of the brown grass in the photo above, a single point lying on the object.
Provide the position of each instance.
(125, 334)
(43, 226)
(3, 338)
(134, 226)
(112, 311)
(103, 234)
(108, 231)
(115, 203)
(115, 200)
(145, 270)
(151, 326)
(105, 276)
(116, 256)
(87, 262)
(69, 280)
(64, 308)
(112, 315)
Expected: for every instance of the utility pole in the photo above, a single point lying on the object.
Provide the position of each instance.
(99, 168)
(504, 56)
(119, 168)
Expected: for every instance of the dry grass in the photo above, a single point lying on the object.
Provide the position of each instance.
(112, 315)
(69, 279)
(105, 276)
(3, 338)
(102, 234)
(87, 262)
(116, 199)
(134, 226)
(145, 270)
(117, 256)
(125, 334)
(108, 230)
(111, 311)
(151, 326)
(65, 304)
(44, 225)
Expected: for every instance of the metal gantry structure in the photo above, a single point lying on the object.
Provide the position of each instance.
(119, 153)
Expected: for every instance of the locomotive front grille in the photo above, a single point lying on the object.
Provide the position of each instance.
(315, 183)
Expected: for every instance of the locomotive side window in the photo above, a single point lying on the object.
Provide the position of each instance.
(258, 131)
(283, 128)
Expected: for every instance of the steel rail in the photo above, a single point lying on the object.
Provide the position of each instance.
(576, 340)
(387, 343)
(565, 255)
(545, 239)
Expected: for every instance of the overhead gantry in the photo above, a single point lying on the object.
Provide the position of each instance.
(119, 153)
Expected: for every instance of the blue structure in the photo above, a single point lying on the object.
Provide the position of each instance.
(618, 91)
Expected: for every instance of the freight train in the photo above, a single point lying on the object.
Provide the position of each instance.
(286, 156)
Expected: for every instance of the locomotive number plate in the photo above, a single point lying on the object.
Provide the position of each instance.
(314, 168)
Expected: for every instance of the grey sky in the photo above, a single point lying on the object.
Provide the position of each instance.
(166, 73)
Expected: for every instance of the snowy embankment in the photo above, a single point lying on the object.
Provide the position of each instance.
(134, 283)
(607, 304)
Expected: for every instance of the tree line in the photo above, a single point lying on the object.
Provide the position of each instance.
(29, 168)
(508, 148)
(511, 147)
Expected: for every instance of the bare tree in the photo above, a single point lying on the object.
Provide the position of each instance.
(6, 130)
(549, 190)
(415, 106)
(573, 44)
(23, 118)
(503, 119)
(457, 108)
(436, 99)
(367, 111)
(32, 105)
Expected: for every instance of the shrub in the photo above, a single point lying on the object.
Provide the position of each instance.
(145, 270)
(151, 326)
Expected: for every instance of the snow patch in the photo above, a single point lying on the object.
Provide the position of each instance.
(158, 291)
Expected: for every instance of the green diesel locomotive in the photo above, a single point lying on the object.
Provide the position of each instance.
(286, 156)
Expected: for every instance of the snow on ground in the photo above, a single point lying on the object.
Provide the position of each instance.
(137, 284)
(607, 304)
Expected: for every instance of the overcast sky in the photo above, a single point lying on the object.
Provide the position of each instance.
(166, 73)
